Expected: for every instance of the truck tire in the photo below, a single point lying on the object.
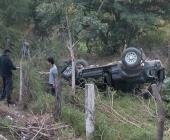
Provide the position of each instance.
(80, 64)
(131, 58)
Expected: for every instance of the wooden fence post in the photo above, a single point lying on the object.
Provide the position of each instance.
(21, 83)
(160, 110)
(89, 110)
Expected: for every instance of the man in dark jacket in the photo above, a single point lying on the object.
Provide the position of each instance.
(6, 67)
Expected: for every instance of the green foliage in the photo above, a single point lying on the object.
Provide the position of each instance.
(166, 96)
(5, 127)
(154, 38)
(106, 131)
(14, 16)
(43, 104)
(9, 32)
(108, 26)
(166, 86)
(38, 98)
(14, 12)
(108, 125)
(6, 121)
(74, 117)
(102, 27)
(47, 15)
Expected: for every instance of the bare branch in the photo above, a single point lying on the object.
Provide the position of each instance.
(100, 7)
(39, 130)
(75, 43)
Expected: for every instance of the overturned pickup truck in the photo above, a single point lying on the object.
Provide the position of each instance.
(132, 72)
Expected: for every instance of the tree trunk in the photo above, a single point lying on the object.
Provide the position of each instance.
(160, 111)
(70, 46)
(73, 72)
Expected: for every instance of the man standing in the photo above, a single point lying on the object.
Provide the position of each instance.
(6, 72)
(54, 84)
(53, 72)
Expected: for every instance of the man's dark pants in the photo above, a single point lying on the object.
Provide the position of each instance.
(52, 89)
(7, 88)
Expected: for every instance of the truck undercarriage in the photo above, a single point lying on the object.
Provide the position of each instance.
(132, 72)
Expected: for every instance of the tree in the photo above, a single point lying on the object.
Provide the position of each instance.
(70, 47)
(105, 24)
(14, 16)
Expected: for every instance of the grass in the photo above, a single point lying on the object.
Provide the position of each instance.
(124, 117)
(118, 116)
(117, 120)
(5, 128)
(75, 118)
(37, 98)
(107, 130)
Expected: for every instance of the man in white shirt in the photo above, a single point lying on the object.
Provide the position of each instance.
(53, 72)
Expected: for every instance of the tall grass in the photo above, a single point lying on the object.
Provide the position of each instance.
(36, 97)
(124, 117)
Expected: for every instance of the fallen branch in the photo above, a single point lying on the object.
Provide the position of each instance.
(100, 7)
(39, 130)
(34, 126)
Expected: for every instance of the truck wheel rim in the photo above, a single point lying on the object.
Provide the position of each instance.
(80, 67)
(131, 58)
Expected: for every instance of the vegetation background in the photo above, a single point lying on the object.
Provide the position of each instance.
(102, 29)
